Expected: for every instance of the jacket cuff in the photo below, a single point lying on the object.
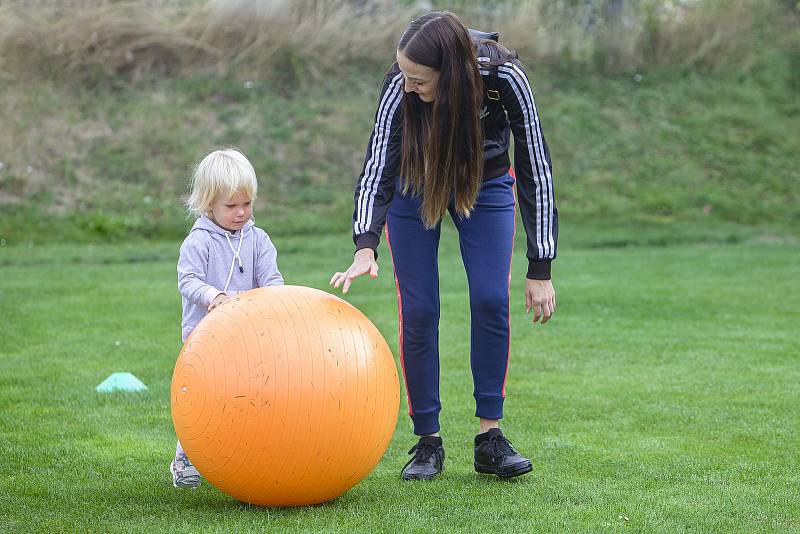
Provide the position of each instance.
(367, 241)
(210, 294)
(538, 269)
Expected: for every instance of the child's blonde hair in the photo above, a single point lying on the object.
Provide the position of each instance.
(223, 172)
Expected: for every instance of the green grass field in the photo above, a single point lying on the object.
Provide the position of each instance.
(661, 397)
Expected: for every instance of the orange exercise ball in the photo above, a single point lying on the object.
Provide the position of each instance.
(285, 396)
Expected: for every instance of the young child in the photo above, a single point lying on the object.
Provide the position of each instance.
(224, 254)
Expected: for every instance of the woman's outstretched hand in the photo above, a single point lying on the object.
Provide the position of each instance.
(363, 263)
(540, 295)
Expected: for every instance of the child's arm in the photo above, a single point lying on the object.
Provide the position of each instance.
(192, 265)
(267, 273)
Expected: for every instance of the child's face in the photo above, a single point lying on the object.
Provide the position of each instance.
(232, 213)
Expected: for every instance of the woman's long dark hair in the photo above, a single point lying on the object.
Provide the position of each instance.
(442, 152)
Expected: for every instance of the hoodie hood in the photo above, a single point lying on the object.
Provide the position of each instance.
(205, 223)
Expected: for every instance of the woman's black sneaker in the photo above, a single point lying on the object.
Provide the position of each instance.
(494, 455)
(428, 459)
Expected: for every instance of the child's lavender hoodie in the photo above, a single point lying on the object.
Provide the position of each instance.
(207, 257)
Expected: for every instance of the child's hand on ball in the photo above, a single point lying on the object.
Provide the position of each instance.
(218, 300)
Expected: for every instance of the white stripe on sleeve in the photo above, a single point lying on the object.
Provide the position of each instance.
(540, 167)
(374, 166)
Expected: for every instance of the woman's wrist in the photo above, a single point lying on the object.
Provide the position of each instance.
(367, 253)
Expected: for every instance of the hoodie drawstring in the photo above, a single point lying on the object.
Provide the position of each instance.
(235, 258)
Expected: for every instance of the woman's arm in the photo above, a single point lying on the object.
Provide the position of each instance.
(534, 188)
(375, 186)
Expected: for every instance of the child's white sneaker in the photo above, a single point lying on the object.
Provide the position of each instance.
(184, 474)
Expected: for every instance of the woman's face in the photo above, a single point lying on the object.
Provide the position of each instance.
(418, 78)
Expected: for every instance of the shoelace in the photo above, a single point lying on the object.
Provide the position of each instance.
(501, 446)
(423, 451)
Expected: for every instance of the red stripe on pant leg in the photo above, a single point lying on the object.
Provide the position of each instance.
(510, 261)
(399, 319)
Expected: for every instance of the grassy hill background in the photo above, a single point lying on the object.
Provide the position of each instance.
(667, 121)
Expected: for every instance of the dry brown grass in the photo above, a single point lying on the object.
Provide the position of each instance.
(94, 41)
(291, 39)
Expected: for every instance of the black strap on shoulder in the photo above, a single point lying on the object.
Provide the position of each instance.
(491, 89)
(490, 82)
